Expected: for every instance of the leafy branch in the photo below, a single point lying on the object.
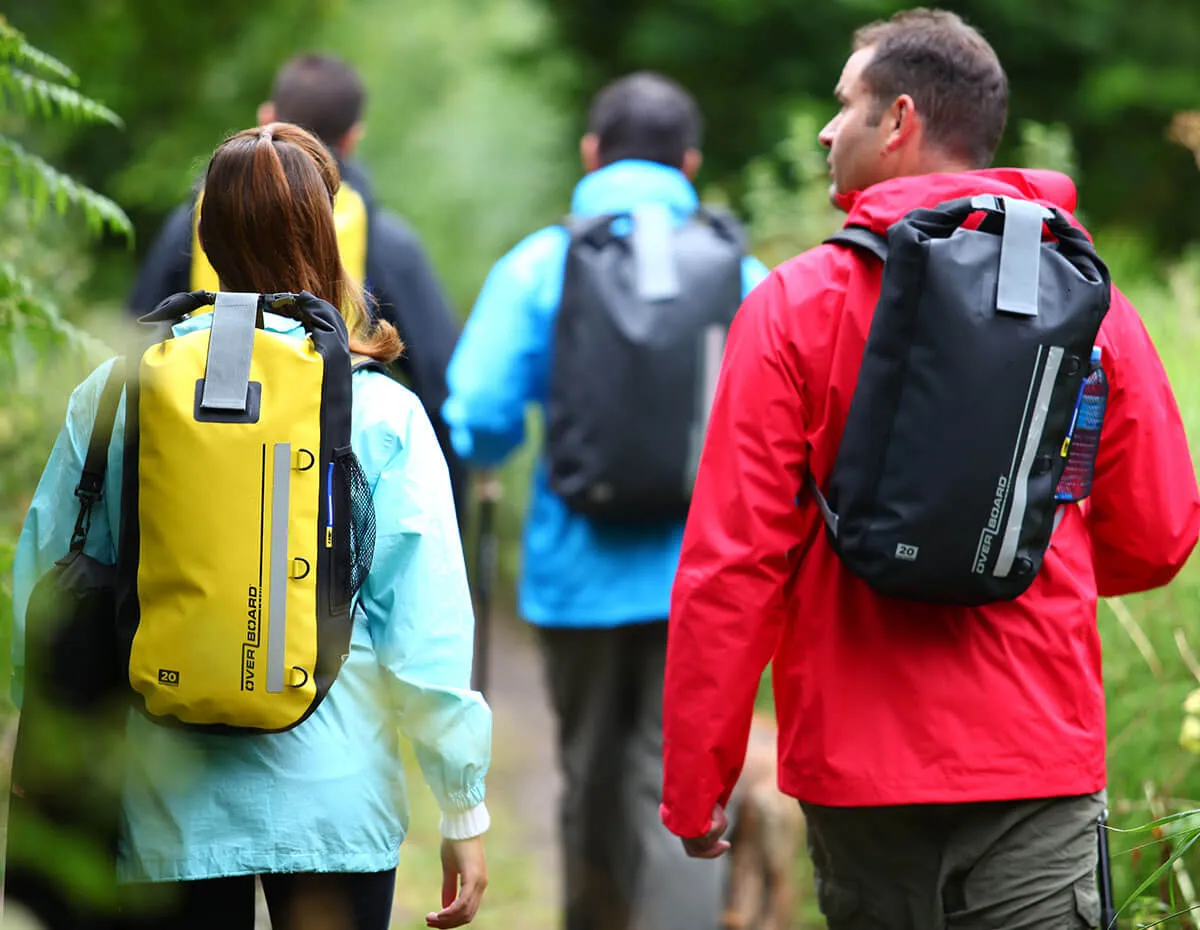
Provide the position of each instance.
(16, 52)
(50, 96)
(38, 95)
(44, 185)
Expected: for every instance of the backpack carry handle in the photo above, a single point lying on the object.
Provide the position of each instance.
(948, 216)
(302, 306)
(1020, 224)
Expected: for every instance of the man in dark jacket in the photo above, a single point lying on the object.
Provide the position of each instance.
(950, 759)
(325, 96)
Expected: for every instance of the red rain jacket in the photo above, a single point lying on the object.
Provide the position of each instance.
(880, 701)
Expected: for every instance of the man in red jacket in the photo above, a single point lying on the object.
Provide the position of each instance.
(950, 760)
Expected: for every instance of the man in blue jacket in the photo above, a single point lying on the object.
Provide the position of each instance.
(598, 593)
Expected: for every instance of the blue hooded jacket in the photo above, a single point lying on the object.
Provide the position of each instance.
(574, 573)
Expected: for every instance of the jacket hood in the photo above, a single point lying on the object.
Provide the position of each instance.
(881, 205)
(631, 183)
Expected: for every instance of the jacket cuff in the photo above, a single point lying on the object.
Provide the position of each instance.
(683, 824)
(465, 825)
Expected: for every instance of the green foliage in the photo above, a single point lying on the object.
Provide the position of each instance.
(466, 145)
(786, 194)
(40, 350)
(35, 339)
(471, 150)
(27, 94)
(1112, 72)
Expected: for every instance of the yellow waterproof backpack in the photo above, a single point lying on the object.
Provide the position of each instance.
(247, 526)
(349, 217)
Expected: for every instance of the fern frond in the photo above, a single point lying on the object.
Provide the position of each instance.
(16, 51)
(45, 185)
(13, 284)
(28, 322)
(34, 93)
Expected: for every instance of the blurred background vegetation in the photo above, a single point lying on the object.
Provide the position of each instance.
(473, 117)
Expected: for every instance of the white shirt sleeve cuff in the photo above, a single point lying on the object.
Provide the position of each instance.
(465, 825)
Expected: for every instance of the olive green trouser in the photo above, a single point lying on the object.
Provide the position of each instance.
(1003, 865)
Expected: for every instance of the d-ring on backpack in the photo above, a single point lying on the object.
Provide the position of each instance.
(247, 523)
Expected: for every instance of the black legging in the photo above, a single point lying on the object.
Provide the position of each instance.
(300, 901)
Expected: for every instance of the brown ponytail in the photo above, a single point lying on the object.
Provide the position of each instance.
(266, 225)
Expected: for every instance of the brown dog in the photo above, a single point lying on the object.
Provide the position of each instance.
(767, 827)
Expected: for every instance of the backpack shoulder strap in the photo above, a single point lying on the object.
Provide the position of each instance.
(724, 221)
(860, 237)
(95, 463)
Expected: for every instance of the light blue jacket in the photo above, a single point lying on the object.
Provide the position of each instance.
(328, 795)
(574, 573)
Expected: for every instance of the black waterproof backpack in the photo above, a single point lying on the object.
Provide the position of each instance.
(640, 332)
(943, 489)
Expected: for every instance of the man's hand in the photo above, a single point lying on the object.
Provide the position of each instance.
(464, 876)
(710, 845)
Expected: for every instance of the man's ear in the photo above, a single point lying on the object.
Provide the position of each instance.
(266, 113)
(901, 121)
(692, 159)
(349, 142)
(589, 152)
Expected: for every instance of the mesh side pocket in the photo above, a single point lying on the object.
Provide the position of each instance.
(361, 549)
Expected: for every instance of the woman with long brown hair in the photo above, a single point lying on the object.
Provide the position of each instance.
(317, 813)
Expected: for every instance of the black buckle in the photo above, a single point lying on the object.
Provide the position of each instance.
(89, 489)
(83, 522)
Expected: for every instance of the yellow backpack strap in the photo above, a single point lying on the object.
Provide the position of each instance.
(203, 277)
(349, 217)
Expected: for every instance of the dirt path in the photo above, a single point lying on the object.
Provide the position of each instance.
(525, 775)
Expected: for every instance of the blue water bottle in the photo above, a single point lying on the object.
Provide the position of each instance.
(1083, 436)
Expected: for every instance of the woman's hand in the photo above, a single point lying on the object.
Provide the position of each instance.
(464, 876)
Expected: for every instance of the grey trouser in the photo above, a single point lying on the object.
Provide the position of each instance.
(1005, 865)
(623, 869)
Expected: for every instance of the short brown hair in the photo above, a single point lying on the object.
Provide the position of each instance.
(950, 71)
(266, 225)
(319, 93)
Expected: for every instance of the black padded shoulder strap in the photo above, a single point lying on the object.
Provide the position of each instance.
(860, 237)
(95, 463)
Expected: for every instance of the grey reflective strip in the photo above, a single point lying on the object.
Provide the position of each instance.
(831, 518)
(1020, 258)
(1020, 488)
(230, 343)
(712, 349)
(653, 256)
(281, 477)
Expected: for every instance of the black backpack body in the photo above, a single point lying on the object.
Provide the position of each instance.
(638, 341)
(943, 489)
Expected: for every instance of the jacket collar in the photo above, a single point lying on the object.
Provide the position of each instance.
(630, 183)
(203, 320)
(879, 206)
